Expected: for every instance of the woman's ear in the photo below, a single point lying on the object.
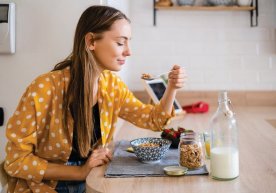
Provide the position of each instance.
(90, 41)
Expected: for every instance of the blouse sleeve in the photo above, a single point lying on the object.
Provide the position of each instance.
(21, 131)
(142, 115)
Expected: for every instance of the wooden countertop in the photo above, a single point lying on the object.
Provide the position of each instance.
(257, 147)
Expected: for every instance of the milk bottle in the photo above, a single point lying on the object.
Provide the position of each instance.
(224, 141)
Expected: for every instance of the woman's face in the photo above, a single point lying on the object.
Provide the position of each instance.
(112, 50)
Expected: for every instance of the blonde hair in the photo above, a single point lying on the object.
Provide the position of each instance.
(79, 95)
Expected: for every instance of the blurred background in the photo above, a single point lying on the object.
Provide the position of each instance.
(219, 49)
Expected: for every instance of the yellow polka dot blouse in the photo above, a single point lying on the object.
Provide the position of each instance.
(36, 136)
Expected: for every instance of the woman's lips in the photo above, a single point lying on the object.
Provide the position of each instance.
(121, 61)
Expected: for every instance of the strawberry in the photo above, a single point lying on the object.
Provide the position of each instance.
(171, 133)
(177, 134)
(181, 129)
(174, 135)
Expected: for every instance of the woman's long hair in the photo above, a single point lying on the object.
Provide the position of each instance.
(79, 95)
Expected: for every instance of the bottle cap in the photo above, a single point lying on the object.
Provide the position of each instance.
(175, 170)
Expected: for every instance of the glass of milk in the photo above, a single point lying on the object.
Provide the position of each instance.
(224, 141)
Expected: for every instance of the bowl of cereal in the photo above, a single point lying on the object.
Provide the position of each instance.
(150, 149)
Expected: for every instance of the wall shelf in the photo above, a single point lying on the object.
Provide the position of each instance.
(206, 8)
(253, 10)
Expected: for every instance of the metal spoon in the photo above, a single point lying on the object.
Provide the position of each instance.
(152, 77)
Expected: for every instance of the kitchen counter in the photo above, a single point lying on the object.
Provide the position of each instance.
(257, 147)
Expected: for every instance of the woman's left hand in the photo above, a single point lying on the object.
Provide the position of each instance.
(177, 77)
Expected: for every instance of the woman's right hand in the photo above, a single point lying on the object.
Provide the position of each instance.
(99, 156)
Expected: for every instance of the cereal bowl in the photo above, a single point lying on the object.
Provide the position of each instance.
(150, 149)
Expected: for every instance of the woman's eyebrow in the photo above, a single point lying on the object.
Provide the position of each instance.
(123, 37)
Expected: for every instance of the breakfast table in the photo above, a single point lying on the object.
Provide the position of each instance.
(257, 157)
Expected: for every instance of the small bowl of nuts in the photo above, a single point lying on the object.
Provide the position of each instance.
(150, 149)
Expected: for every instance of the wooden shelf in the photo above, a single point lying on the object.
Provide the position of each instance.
(207, 8)
(253, 9)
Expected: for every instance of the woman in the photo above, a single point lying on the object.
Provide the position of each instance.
(64, 115)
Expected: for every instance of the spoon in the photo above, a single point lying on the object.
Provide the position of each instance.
(152, 77)
(130, 150)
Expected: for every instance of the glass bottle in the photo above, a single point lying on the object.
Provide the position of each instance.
(224, 141)
(191, 153)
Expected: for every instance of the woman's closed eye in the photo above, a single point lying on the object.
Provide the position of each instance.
(120, 44)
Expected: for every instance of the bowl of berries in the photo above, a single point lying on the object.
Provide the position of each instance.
(174, 135)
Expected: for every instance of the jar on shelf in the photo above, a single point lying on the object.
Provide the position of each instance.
(191, 152)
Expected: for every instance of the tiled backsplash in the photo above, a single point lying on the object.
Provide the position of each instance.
(218, 48)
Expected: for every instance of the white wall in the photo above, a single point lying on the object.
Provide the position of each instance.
(122, 5)
(219, 49)
(44, 36)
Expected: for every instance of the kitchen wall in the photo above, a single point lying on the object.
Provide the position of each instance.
(218, 48)
(44, 36)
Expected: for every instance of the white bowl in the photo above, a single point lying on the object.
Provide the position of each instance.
(185, 2)
(221, 2)
(244, 2)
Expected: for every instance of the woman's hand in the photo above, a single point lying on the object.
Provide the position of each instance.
(177, 77)
(99, 156)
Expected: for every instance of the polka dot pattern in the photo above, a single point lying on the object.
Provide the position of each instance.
(35, 130)
(115, 100)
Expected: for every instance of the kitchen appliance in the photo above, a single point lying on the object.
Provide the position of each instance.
(7, 28)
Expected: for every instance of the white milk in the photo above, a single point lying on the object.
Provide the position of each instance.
(224, 162)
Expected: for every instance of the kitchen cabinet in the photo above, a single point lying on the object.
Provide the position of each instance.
(253, 9)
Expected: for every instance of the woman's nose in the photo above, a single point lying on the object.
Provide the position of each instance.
(127, 51)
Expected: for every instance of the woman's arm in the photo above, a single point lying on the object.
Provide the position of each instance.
(148, 116)
(99, 157)
(176, 80)
(63, 172)
(21, 132)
